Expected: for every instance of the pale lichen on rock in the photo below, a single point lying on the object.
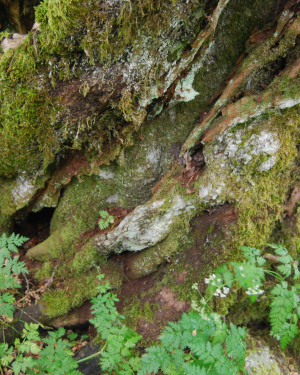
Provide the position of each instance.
(144, 227)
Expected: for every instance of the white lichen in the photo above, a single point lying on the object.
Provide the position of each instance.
(184, 90)
(106, 174)
(261, 361)
(24, 190)
(144, 227)
(227, 156)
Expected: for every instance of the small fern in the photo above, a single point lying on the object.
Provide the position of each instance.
(10, 269)
(284, 313)
(105, 219)
(284, 257)
(197, 345)
(116, 355)
(30, 357)
(250, 276)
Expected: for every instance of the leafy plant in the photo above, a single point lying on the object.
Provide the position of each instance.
(29, 354)
(250, 276)
(10, 269)
(197, 345)
(116, 355)
(33, 355)
(105, 219)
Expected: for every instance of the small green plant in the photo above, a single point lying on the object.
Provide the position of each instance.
(105, 219)
(33, 355)
(116, 355)
(199, 345)
(250, 276)
(29, 354)
(10, 269)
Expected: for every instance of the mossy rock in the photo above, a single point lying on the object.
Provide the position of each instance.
(263, 360)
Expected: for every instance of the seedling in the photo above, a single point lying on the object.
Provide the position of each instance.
(105, 219)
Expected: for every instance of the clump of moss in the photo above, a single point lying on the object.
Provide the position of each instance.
(72, 292)
(27, 115)
(100, 30)
(135, 310)
(287, 233)
(45, 271)
(260, 196)
(132, 19)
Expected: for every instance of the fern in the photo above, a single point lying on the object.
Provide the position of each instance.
(10, 269)
(250, 276)
(26, 356)
(194, 345)
(284, 313)
(116, 355)
(252, 254)
(105, 219)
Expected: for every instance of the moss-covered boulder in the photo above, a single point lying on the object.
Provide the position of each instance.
(159, 113)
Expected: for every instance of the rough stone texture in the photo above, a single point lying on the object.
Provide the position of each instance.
(91, 366)
(144, 227)
(229, 154)
(262, 361)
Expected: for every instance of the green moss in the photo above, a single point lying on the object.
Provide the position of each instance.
(27, 113)
(135, 18)
(260, 196)
(81, 203)
(287, 233)
(59, 20)
(76, 214)
(84, 258)
(5, 224)
(72, 292)
(56, 303)
(7, 205)
(45, 271)
(136, 311)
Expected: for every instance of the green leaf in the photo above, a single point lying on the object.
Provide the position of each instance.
(284, 313)
(6, 305)
(285, 269)
(250, 253)
(103, 214)
(260, 261)
(296, 271)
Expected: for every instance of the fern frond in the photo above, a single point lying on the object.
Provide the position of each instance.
(285, 269)
(284, 313)
(287, 333)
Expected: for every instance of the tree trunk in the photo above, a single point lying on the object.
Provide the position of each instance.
(178, 118)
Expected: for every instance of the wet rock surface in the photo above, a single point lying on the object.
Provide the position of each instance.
(90, 366)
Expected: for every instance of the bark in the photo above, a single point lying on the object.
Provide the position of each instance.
(180, 119)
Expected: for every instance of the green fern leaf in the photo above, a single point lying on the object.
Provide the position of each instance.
(285, 269)
(194, 370)
(284, 313)
(103, 214)
(296, 271)
(6, 305)
(250, 253)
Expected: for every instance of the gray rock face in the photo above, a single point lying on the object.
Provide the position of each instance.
(13, 42)
(144, 227)
(231, 153)
(262, 362)
(91, 366)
